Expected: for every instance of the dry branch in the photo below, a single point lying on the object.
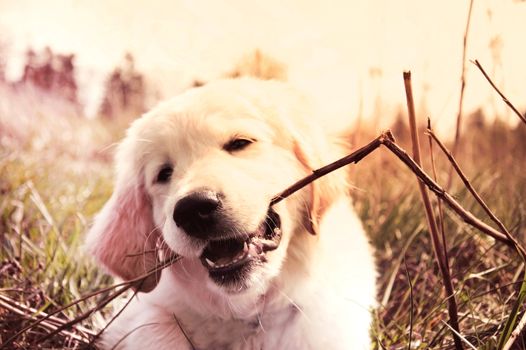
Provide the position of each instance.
(51, 324)
(462, 88)
(439, 201)
(522, 294)
(354, 157)
(518, 247)
(125, 286)
(515, 334)
(451, 202)
(504, 98)
(438, 246)
(411, 306)
(386, 139)
(96, 336)
(474, 193)
(128, 285)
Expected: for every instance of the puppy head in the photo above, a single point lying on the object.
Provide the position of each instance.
(198, 174)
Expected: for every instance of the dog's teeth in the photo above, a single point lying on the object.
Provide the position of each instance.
(210, 262)
(255, 249)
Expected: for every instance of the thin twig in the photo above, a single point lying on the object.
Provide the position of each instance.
(389, 287)
(51, 324)
(474, 193)
(518, 247)
(185, 334)
(504, 98)
(464, 214)
(462, 88)
(354, 157)
(133, 330)
(512, 318)
(459, 335)
(440, 254)
(137, 281)
(439, 201)
(113, 317)
(73, 303)
(411, 306)
(515, 334)
(29, 311)
(386, 139)
(87, 313)
(126, 285)
(503, 342)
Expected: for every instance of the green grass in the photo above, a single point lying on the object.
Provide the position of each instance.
(50, 187)
(50, 192)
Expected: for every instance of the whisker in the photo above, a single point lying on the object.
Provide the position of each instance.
(294, 304)
(113, 318)
(192, 346)
(133, 331)
(148, 251)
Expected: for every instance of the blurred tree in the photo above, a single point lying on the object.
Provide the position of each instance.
(125, 92)
(51, 73)
(64, 77)
(44, 70)
(30, 67)
(3, 59)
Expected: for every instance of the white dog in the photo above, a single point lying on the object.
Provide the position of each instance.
(195, 177)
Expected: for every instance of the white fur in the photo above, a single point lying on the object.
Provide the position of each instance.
(314, 292)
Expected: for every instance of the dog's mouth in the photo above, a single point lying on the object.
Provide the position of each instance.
(228, 259)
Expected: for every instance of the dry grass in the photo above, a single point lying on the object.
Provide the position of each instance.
(44, 212)
(486, 274)
(51, 186)
(54, 176)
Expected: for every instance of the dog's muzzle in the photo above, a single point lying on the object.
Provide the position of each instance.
(199, 214)
(230, 252)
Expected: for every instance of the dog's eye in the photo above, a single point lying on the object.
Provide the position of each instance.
(237, 144)
(164, 175)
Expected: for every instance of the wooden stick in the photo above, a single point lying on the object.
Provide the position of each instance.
(440, 254)
(462, 88)
(386, 139)
(354, 157)
(464, 214)
(504, 98)
(439, 201)
(515, 334)
(474, 193)
(126, 285)
(113, 317)
(51, 324)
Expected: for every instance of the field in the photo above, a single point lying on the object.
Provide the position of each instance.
(56, 173)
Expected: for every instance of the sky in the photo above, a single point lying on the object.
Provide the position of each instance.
(349, 55)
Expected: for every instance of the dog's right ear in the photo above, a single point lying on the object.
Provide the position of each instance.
(123, 237)
(323, 191)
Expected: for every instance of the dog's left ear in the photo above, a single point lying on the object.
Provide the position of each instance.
(324, 190)
(123, 237)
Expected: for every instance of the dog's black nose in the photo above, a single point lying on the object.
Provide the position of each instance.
(197, 213)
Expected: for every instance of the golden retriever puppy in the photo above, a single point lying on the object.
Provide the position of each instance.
(195, 177)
